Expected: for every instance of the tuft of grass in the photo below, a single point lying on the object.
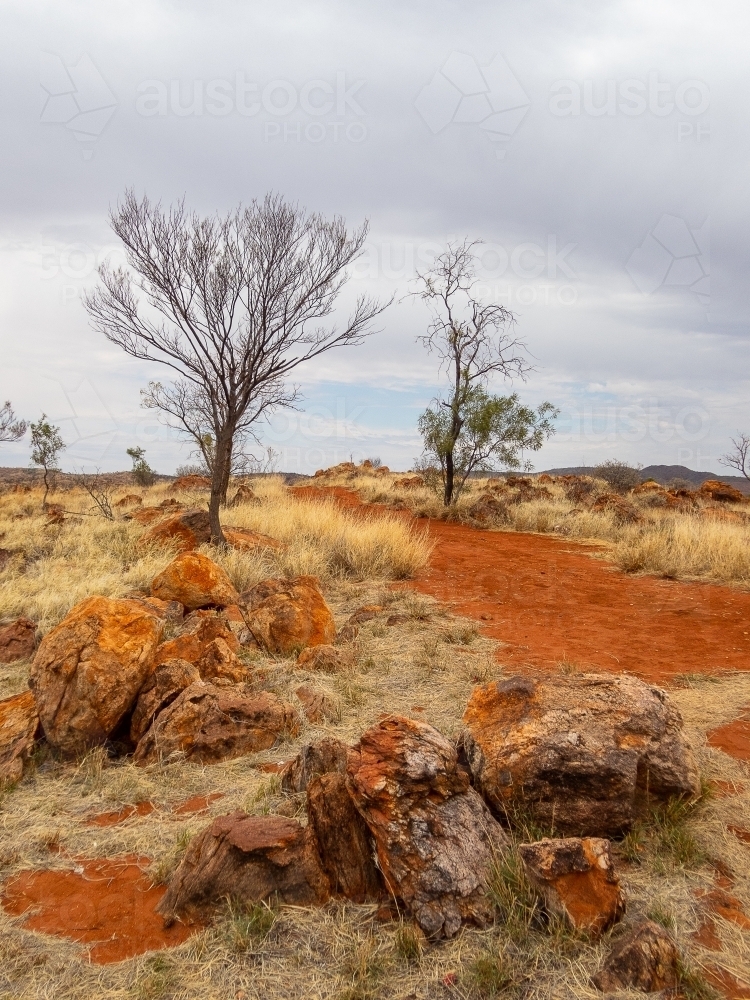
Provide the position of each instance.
(362, 968)
(491, 975)
(661, 915)
(693, 984)
(247, 925)
(672, 835)
(511, 892)
(408, 943)
(157, 980)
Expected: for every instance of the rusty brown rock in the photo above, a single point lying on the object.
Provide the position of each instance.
(327, 756)
(195, 581)
(184, 531)
(325, 659)
(244, 494)
(319, 706)
(192, 483)
(219, 662)
(714, 489)
(645, 959)
(162, 686)
(17, 640)
(577, 881)
(578, 752)
(623, 511)
(343, 840)
(130, 500)
(249, 858)
(434, 835)
(247, 540)
(408, 483)
(146, 515)
(19, 723)
(198, 632)
(206, 723)
(288, 615)
(489, 510)
(364, 614)
(88, 670)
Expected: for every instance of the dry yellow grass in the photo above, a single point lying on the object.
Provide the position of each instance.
(58, 566)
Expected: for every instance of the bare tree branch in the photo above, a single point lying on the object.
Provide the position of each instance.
(739, 458)
(11, 429)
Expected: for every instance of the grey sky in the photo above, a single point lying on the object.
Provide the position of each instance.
(601, 151)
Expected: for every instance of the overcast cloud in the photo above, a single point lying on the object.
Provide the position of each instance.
(600, 150)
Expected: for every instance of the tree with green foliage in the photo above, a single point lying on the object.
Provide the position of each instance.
(143, 474)
(46, 445)
(494, 432)
(471, 429)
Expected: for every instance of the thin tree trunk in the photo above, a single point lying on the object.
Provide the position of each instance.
(219, 480)
(448, 479)
(46, 491)
(226, 476)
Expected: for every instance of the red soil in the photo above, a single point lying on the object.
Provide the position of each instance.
(733, 738)
(547, 600)
(197, 804)
(107, 904)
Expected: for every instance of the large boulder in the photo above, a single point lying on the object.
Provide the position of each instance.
(576, 880)
(206, 724)
(194, 638)
(247, 540)
(250, 858)
(714, 489)
(645, 959)
(327, 756)
(89, 669)
(578, 752)
(192, 482)
(288, 615)
(163, 685)
(17, 640)
(343, 839)
(19, 723)
(434, 835)
(185, 531)
(318, 705)
(220, 664)
(195, 581)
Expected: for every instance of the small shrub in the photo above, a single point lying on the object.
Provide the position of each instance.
(620, 476)
(407, 943)
(248, 925)
(693, 984)
(143, 474)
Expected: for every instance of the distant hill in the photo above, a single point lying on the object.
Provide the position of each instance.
(665, 474)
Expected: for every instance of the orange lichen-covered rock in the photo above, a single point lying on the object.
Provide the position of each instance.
(576, 880)
(17, 640)
(247, 540)
(199, 631)
(578, 752)
(249, 858)
(207, 723)
(161, 688)
(19, 723)
(186, 530)
(89, 669)
(219, 663)
(435, 838)
(195, 581)
(622, 510)
(288, 615)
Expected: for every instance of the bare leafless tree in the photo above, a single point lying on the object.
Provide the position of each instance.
(470, 338)
(11, 429)
(101, 489)
(739, 457)
(232, 303)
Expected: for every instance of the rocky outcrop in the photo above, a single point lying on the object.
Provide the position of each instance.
(343, 840)
(645, 959)
(714, 489)
(162, 686)
(249, 858)
(130, 500)
(89, 669)
(198, 632)
(408, 483)
(220, 664)
(327, 756)
(247, 540)
(576, 881)
(288, 615)
(434, 835)
(623, 510)
(206, 724)
(19, 723)
(192, 482)
(244, 494)
(325, 659)
(488, 510)
(195, 581)
(579, 752)
(184, 531)
(17, 640)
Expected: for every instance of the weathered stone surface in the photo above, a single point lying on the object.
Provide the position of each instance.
(434, 835)
(161, 688)
(199, 631)
(318, 705)
(645, 958)
(195, 581)
(408, 483)
(185, 531)
(244, 494)
(578, 752)
(489, 510)
(324, 757)
(714, 489)
(343, 839)
(146, 515)
(130, 500)
(576, 880)
(250, 858)
(206, 723)
(288, 615)
(17, 640)
(623, 510)
(247, 540)
(89, 669)
(219, 662)
(325, 659)
(192, 483)
(19, 723)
